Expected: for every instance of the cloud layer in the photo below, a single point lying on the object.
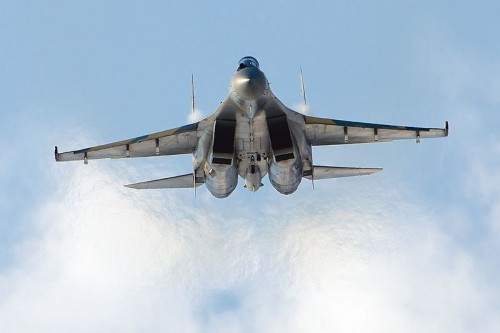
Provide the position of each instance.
(102, 258)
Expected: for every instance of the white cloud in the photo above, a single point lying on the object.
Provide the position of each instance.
(105, 258)
(468, 80)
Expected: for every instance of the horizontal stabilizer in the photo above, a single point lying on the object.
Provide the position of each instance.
(183, 181)
(325, 172)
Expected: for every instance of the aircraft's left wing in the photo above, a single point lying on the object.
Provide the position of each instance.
(181, 140)
(323, 131)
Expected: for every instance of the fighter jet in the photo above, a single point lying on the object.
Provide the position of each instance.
(252, 134)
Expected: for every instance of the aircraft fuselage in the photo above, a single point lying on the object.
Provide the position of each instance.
(254, 108)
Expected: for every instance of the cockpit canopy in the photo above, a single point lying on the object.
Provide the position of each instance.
(248, 62)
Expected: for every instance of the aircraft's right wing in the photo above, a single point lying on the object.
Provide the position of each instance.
(174, 141)
(323, 131)
(181, 140)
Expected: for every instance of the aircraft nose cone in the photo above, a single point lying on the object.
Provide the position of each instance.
(249, 83)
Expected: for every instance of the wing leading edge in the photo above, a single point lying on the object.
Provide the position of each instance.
(323, 131)
(180, 140)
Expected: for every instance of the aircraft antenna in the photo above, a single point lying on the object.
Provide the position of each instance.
(194, 181)
(303, 88)
(192, 98)
(312, 178)
(193, 119)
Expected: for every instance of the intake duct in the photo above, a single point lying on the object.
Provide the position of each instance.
(223, 143)
(280, 137)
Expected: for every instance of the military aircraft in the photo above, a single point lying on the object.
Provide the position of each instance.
(251, 134)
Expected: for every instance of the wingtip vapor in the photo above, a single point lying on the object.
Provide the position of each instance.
(252, 134)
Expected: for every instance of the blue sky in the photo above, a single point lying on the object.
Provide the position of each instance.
(413, 248)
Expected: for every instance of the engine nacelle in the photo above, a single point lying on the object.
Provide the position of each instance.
(285, 170)
(285, 176)
(221, 180)
(221, 174)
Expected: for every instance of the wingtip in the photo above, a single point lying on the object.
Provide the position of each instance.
(131, 186)
(56, 154)
(446, 128)
(372, 171)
